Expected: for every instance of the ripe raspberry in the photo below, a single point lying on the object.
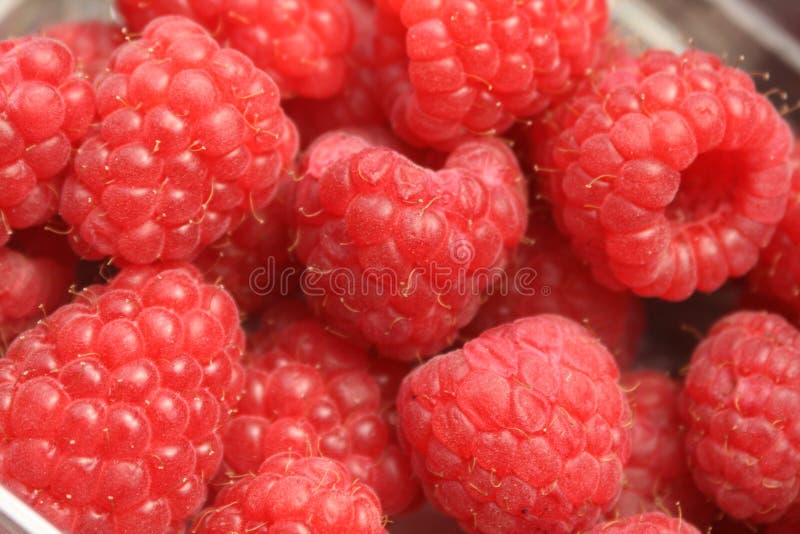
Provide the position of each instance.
(110, 423)
(775, 282)
(357, 104)
(453, 69)
(44, 108)
(647, 523)
(293, 494)
(192, 138)
(34, 281)
(668, 173)
(302, 44)
(398, 256)
(545, 277)
(308, 391)
(739, 404)
(91, 42)
(525, 429)
(657, 478)
(253, 262)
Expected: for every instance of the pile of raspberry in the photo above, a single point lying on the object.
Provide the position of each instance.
(343, 266)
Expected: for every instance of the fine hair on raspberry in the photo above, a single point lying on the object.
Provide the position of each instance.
(669, 172)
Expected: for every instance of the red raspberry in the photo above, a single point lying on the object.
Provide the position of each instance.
(192, 138)
(545, 277)
(111, 420)
(647, 523)
(253, 262)
(357, 104)
(657, 478)
(91, 42)
(525, 429)
(453, 69)
(739, 406)
(302, 44)
(44, 108)
(775, 282)
(398, 256)
(36, 271)
(308, 391)
(669, 173)
(292, 494)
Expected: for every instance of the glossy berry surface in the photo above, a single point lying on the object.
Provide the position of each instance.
(293, 494)
(398, 256)
(192, 138)
(45, 108)
(524, 429)
(91, 42)
(302, 44)
(544, 276)
(739, 406)
(657, 477)
(310, 392)
(110, 414)
(460, 68)
(669, 173)
(647, 523)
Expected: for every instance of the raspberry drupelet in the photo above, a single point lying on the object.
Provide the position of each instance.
(740, 405)
(524, 429)
(110, 415)
(459, 68)
(291, 494)
(92, 42)
(192, 138)
(45, 108)
(302, 44)
(252, 262)
(669, 172)
(358, 104)
(647, 523)
(657, 477)
(398, 256)
(544, 276)
(37, 269)
(775, 281)
(311, 392)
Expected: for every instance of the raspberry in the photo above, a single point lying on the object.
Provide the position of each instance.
(524, 429)
(657, 478)
(91, 42)
(192, 138)
(454, 69)
(110, 422)
(44, 108)
(252, 262)
(33, 280)
(775, 282)
(357, 104)
(302, 44)
(739, 403)
(293, 494)
(648, 523)
(308, 391)
(669, 173)
(544, 276)
(398, 256)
